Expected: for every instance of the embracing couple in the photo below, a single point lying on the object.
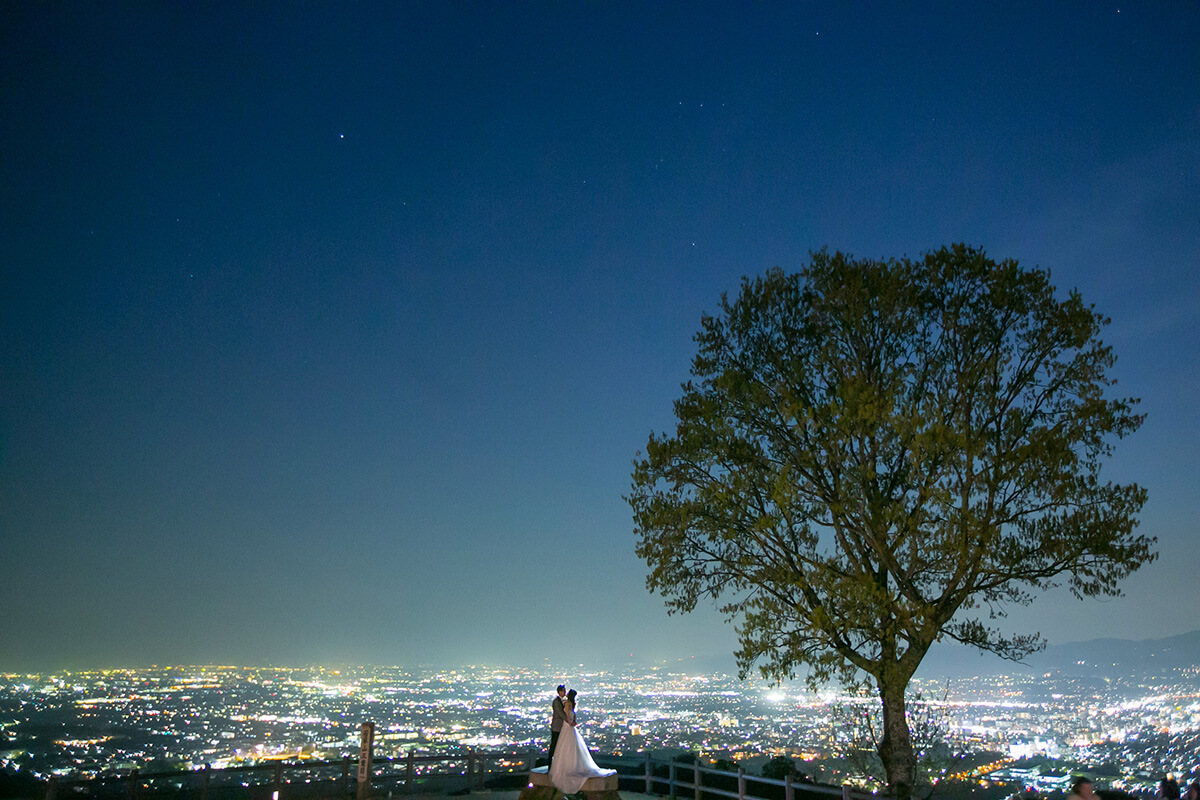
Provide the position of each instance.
(570, 762)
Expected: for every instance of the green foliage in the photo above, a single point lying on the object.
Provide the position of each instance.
(779, 768)
(1044, 763)
(874, 455)
(20, 785)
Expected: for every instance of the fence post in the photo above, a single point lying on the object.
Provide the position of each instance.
(696, 777)
(366, 761)
(649, 772)
(846, 792)
(470, 768)
(205, 779)
(132, 787)
(788, 792)
(671, 780)
(741, 783)
(408, 772)
(51, 788)
(345, 774)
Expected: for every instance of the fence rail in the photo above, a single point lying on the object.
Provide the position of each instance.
(692, 781)
(430, 773)
(304, 778)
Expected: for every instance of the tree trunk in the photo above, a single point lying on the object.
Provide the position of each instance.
(895, 746)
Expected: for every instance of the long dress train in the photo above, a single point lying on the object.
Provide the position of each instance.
(573, 764)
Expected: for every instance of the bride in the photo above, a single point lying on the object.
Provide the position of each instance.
(573, 764)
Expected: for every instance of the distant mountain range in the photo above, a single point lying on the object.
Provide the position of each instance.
(1091, 658)
(1095, 657)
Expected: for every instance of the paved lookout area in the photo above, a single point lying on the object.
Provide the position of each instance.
(540, 787)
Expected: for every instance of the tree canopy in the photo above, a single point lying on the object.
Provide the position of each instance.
(779, 768)
(873, 455)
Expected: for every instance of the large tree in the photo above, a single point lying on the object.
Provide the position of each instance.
(872, 456)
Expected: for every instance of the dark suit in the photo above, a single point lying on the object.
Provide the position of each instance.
(557, 719)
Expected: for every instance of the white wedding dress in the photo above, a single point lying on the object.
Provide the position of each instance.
(573, 764)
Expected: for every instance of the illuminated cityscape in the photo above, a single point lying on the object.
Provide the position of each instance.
(1031, 730)
(343, 335)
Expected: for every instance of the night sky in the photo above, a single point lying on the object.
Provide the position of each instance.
(329, 332)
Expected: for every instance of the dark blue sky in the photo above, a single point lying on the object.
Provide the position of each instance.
(329, 332)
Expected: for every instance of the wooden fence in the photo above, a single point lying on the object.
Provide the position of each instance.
(281, 780)
(468, 770)
(683, 780)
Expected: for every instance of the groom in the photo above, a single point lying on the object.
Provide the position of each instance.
(558, 717)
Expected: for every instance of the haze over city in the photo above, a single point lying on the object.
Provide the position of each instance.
(329, 334)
